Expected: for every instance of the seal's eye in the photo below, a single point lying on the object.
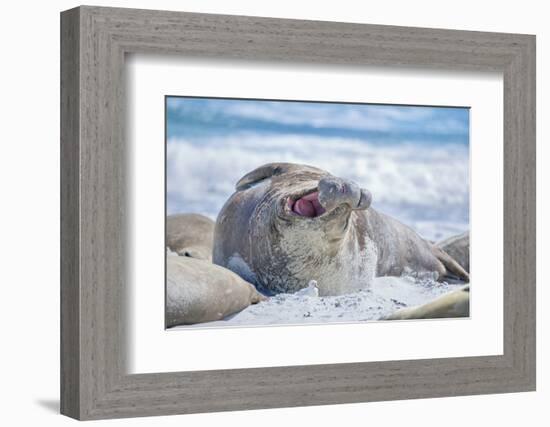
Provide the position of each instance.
(258, 175)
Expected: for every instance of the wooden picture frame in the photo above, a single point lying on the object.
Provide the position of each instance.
(94, 41)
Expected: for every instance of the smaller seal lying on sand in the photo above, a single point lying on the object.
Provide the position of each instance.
(190, 235)
(459, 248)
(452, 304)
(198, 291)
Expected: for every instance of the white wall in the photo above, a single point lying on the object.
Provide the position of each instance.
(29, 169)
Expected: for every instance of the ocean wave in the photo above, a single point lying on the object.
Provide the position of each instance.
(425, 186)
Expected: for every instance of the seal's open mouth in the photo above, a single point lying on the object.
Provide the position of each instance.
(307, 205)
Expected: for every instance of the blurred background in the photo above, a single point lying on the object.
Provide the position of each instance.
(413, 159)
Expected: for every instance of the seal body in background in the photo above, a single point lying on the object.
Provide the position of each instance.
(190, 235)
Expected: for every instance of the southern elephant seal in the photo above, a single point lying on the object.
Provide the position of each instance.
(287, 224)
(190, 235)
(198, 291)
(459, 248)
(452, 304)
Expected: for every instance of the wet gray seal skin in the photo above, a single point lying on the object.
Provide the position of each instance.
(452, 304)
(198, 291)
(287, 224)
(190, 235)
(458, 247)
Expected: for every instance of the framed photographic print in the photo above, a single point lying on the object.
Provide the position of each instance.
(350, 209)
(297, 232)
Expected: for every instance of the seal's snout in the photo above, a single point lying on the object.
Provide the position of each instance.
(334, 192)
(330, 193)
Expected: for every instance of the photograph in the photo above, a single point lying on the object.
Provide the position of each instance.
(298, 212)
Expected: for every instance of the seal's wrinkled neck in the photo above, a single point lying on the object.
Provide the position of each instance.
(322, 233)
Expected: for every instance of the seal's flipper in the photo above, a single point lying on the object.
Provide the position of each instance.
(458, 247)
(453, 270)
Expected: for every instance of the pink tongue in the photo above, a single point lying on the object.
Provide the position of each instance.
(308, 206)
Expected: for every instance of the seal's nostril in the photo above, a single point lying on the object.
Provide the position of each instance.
(365, 200)
(187, 254)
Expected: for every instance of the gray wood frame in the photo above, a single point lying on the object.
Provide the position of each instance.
(94, 41)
